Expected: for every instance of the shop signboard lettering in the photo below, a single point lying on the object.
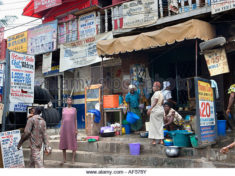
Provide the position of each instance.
(19, 107)
(42, 38)
(139, 13)
(11, 156)
(216, 61)
(87, 26)
(218, 6)
(22, 70)
(206, 113)
(81, 53)
(40, 5)
(18, 42)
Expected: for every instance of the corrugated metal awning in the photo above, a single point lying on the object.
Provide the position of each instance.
(191, 29)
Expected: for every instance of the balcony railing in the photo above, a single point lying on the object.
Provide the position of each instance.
(166, 8)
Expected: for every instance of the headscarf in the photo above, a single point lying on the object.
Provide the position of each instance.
(131, 86)
(231, 89)
(166, 84)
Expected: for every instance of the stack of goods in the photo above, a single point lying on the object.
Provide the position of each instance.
(107, 131)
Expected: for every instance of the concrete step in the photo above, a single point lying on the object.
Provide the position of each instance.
(150, 160)
(224, 164)
(58, 164)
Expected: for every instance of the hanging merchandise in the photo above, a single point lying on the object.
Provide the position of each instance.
(138, 74)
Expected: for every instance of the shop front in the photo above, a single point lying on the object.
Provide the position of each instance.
(168, 55)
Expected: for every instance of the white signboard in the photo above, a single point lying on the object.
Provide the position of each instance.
(87, 26)
(11, 156)
(81, 53)
(22, 68)
(42, 38)
(19, 107)
(216, 61)
(1, 74)
(207, 113)
(139, 13)
(46, 62)
(218, 6)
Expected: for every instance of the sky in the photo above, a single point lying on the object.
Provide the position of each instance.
(15, 7)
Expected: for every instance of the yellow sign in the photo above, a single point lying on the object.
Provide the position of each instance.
(216, 61)
(18, 42)
(205, 91)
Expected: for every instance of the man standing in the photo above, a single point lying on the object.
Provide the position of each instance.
(35, 131)
(231, 91)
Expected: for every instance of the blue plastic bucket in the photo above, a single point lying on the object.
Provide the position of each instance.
(127, 129)
(132, 117)
(221, 127)
(134, 148)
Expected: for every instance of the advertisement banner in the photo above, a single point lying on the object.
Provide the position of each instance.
(2, 44)
(18, 42)
(1, 74)
(40, 5)
(42, 38)
(216, 61)
(46, 62)
(139, 13)
(206, 112)
(11, 156)
(81, 53)
(22, 68)
(218, 6)
(87, 26)
(19, 107)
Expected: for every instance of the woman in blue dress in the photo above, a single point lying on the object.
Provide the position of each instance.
(132, 99)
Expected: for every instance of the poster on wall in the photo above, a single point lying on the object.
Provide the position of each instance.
(40, 5)
(87, 26)
(206, 112)
(216, 61)
(218, 6)
(62, 33)
(46, 62)
(2, 74)
(22, 68)
(18, 42)
(81, 53)
(42, 38)
(2, 46)
(11, 156)
(139, 13)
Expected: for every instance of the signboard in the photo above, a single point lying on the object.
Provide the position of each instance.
(1, 112)
(18, 42)
(19, 107)
(1, 74)
(42, 38)
(81, 53)
(216, 61)
(218, 6)
(46, 62)
(206, 112)
(2, 44)
(11, 156)
(87, 26)
(22, 70)
(139, 13)
(40, 5)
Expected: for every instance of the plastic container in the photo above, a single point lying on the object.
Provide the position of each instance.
(123, 130)
(165, 133)
(132, 117)
(134, 148)
(93, 137)
(111, 101)
(221, 127)
(181, 138)
(127, 128)
(193, 140)
(168, 142)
